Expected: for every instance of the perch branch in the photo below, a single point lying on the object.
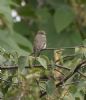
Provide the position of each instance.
(62, 48)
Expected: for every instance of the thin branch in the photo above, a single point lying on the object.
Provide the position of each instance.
(8, 67)
(60, 66)
(62, 48)
(33, 66)
(59, 48)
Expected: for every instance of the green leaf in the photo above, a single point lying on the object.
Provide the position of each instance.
(22, 41)
(1, 94)
(30, 60)
(68, 97)
(8, 43)
(63, 18)
(22, 61)
(73, 89)
(84, 49)
(82, 84)
(69, 38)
(5, 14)
(78, 96)
(55, 3)
(50, 87)
(27, 11)
(42, 62)
(21, 27)
(46, 58)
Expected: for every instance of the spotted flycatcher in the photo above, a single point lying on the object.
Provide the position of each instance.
(39, 42)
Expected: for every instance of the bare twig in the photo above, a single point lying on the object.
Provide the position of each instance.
(35, 66)
(62, 48)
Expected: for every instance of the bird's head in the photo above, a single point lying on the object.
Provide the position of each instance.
(41, 32)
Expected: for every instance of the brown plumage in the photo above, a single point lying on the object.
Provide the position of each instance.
(39, 42)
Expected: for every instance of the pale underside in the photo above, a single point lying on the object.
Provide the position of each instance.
(39, 42)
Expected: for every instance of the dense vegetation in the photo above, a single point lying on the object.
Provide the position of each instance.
(60, 70)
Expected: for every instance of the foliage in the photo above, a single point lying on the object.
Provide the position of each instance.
(21, 79)
(61, 78)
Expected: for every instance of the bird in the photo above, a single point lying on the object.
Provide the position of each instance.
(40, 42)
